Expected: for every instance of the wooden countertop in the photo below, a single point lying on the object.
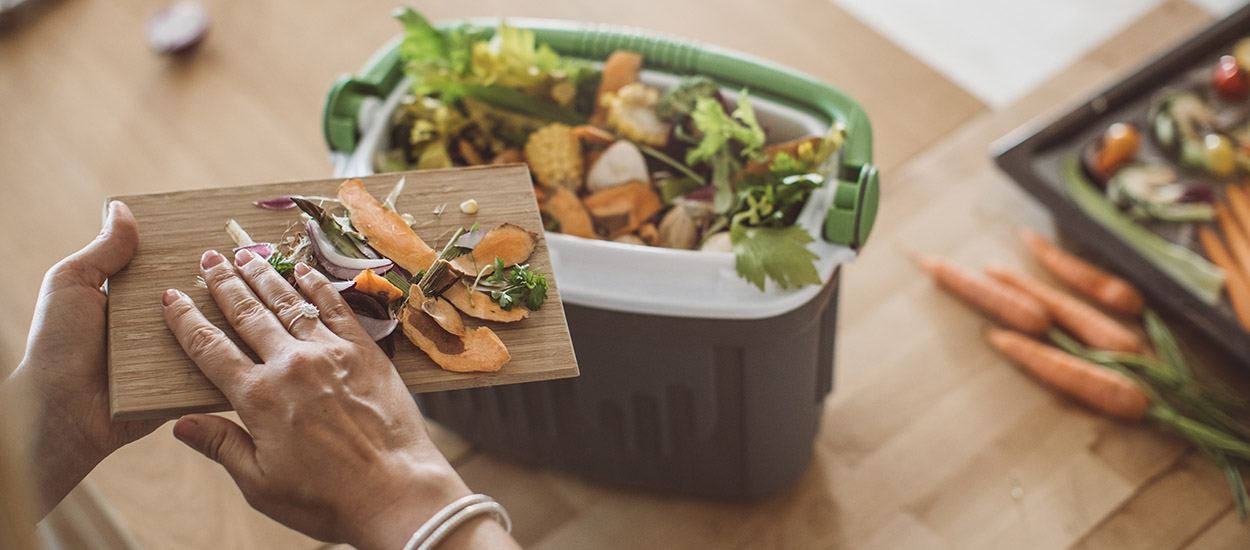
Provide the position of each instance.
(931, 442)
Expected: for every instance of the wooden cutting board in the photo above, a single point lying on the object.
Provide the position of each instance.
(151, 377)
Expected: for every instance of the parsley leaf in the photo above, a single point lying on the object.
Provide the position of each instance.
(777, 253)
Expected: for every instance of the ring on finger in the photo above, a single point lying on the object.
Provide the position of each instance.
(305, 310)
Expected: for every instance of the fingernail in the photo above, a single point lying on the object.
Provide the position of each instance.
(170, 297)
(302, 269)
(210, 259)
(186, 429)
(242, 256)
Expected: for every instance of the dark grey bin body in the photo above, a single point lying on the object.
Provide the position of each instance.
(725, 407)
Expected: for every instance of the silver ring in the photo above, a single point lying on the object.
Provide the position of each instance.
(303, 311)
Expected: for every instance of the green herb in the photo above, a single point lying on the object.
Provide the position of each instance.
(680, 100)
(719, 129)
(777, 253)
(283, 265)
(519, 286)
(1183, 265)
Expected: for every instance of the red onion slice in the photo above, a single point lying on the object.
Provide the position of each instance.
(277, 203)
(335, 262)
(377, 328)
(264, 250)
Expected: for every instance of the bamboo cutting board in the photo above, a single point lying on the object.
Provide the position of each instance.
(151, 377)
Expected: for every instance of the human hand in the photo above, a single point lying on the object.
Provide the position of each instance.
(337, 448)
(64, 370)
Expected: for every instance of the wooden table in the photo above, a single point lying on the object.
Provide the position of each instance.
(927, 443)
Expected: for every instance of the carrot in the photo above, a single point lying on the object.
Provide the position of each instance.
(1086, 323)
(1011, 306)
(1237, 241)
(1239, 203)
(386, 231)
(620, 68)
(1098, 387)
(371, 283)
(1103, 288)
(476, 350)
(1234, 281)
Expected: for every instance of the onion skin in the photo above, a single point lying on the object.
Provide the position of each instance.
(264, 250)
(337, 264)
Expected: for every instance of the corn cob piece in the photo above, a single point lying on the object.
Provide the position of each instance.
(555, 157)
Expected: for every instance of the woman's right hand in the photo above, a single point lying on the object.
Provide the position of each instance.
(337, 448)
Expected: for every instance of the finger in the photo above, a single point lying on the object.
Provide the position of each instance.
(223, 442)
(335, 312)
(104, 256)
(258, 326)
(278, 296)
(222, 362)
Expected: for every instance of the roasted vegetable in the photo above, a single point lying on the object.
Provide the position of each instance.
(555, 157)
(1230, 79)
(1117, 146)
(1151, 191)
(1185, 127)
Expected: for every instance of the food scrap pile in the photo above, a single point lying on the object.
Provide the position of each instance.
(1078, 350)
(391, 278)
(612, 157)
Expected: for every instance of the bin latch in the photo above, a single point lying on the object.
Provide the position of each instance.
(854, 208)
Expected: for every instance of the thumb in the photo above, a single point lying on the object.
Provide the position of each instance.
(107, 254)
(222, 441)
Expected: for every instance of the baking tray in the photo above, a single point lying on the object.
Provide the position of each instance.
(1035, 158)
(151, 377)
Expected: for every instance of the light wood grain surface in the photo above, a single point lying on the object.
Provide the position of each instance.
(151, 377)
(929, 441)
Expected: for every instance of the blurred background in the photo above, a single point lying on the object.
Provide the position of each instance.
(927, 441)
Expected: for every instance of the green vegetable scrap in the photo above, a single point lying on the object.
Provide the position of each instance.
(283, 265)
(680, 100)
(518, 285)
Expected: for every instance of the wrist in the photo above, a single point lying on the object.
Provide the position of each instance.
(428, 490)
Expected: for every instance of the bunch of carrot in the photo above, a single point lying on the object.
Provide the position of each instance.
(1233, 218)
(1097, 360)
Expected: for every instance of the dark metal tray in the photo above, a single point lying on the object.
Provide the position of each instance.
(1036, 162)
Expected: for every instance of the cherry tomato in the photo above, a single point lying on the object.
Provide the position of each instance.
(1119, 145)
(1230, 80)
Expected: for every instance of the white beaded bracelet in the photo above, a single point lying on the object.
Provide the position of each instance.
(452, 516)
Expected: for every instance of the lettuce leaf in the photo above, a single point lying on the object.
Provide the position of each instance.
(777, 253)
(718, 128)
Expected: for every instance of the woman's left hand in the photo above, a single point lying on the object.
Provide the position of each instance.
(64, 371)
